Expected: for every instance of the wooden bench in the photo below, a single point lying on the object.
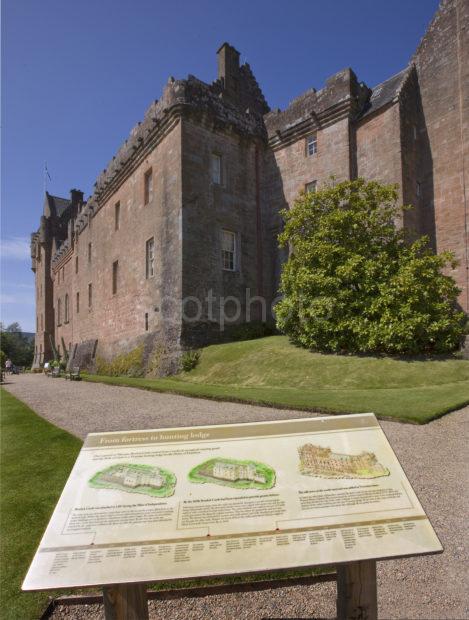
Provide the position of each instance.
(74, 374)
(55, 372)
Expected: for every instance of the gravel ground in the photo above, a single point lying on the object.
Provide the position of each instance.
(433, 457)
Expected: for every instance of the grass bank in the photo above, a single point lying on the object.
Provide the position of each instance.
(271, 371)
(36, 459)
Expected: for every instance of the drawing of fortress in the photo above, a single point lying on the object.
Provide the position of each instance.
(133, 478)
(234, 472)
(319, 461)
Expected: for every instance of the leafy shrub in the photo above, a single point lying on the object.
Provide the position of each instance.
(127, 364)
(353, 283)
(190, 359)
(250, 331)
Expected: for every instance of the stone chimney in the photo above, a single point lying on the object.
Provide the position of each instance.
(228, 68)
(76, 197)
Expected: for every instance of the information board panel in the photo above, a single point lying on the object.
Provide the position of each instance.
(149, 505)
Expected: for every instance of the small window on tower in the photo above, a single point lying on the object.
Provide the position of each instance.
(115, 274)
(117, 212)
(78, 303)
(216, 169)
(89, 252)
(148, 186)
(90, 295)
(312, 144)
(150, 258)
(311, 186)
(146, 321)
(76, 264)
(228, 250)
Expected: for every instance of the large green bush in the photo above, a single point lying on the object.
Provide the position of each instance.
(353, 283)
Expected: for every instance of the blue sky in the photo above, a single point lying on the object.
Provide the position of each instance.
(77, 75)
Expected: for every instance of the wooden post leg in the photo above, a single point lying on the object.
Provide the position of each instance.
(356, 591)
(124, 601)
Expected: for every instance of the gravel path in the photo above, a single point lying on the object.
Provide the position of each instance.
(433, 456)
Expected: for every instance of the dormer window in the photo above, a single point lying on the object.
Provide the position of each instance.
(312, 144)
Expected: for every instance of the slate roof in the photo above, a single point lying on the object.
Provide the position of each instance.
(57, 204)
(384, 93)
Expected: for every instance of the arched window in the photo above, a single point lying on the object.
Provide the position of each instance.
(67, 318)
(59, 311)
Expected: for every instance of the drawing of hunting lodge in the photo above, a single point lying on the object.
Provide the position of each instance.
(319, 461)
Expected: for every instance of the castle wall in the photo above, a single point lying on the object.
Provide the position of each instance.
(118, 320)
(443, 74)
(44, 306)
(378, 147)
(297, 168)
(209, 208)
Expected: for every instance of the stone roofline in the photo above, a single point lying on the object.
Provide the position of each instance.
(215, 105)
(342, 96)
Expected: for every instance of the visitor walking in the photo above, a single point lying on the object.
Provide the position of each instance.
(8, 366)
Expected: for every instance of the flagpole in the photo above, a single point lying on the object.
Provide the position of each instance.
(46, 174)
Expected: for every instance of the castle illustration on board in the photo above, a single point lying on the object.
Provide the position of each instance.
(132, 478)
(234, 473)
(322, 462)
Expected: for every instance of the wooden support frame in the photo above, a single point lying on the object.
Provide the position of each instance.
(356, 593)
(357, 596)
(125, 602)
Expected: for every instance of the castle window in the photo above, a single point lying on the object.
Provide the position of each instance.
(312, 144)
(89, 252)
(117, 212)
(216, 169)
(418, 189)
(42, 322)
(311, 186)
(150, 258)
(228, 250)
(90, 295)
(146, 321)
(78, 303)
(63, 274)
(115, 273)
(148, 186)
(59, 311)
(66, 310)
(76, 264)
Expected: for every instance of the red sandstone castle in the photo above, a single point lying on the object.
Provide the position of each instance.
(180, 232)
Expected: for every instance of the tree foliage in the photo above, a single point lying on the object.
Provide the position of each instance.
(16, 345)
(353, 283)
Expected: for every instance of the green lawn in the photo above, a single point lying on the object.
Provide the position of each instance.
(36, 459)
(272, 371)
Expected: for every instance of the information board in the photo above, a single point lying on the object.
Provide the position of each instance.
(151, 505)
